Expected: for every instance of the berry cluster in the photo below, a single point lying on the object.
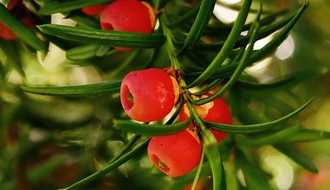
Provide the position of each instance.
(149, 95)
(178, 154)
(214, 111)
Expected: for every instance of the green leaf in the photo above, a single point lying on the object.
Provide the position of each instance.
(198, 170)
(10, 48)
(264, 90)
(51, 7)
(213, 84)
(227, 47)
(279, 38)
(127, 146)
(75, 91)
(271, 84)
(253, 33)
(104, 37)
(267, 24)
(179, 105)
(204, 14)
(82, 52)
(309, 135)
(102, 51)
(253, 128)
(259, 54)
(230, 175)
(243, 40)
(137, 59)
(280, 105)
(296, 156)
(213, 155)
(20, 30)
(186, 17)
(151, 130)
(247, 115)
(268, 138)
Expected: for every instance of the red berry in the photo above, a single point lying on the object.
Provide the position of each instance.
(7, 34)
(177, 154)
(147, 95)
(13, 3)
(93, 10)
(214, 111)
(129, 16)
(126, 15)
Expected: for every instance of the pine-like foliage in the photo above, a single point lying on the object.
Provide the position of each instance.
(62, 124)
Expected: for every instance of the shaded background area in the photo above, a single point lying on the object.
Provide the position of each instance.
(313, 46)
(52, 142)
(308, 46)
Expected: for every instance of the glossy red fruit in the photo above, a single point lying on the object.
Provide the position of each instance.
(214, 111)
(177, 154)
(129, 16)
(147, 95)
(93, 10)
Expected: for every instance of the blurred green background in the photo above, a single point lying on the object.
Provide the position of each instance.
(311, 38)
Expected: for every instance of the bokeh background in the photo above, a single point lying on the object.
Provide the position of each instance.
(308, 45)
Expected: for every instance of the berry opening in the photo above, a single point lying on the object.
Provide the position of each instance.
(106, 26)
(128, 99)
(161, 165)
